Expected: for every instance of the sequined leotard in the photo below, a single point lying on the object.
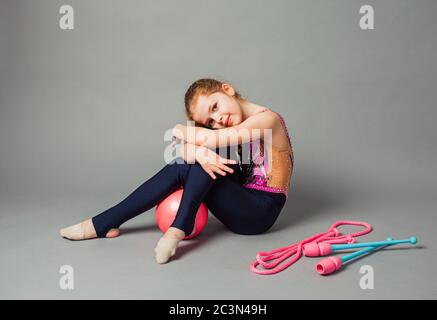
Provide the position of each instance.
(256, 174)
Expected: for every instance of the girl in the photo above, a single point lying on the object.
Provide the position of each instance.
(248, 200)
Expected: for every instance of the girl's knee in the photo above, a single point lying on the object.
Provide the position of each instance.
(183, 169)
(178, 161)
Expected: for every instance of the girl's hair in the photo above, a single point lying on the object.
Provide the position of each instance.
(203, 87)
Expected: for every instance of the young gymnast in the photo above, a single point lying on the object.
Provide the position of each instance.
(246, 197)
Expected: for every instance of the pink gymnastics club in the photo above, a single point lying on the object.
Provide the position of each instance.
(332, 264)
(314, 249)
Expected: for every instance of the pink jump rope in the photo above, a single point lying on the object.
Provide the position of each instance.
(319, 245)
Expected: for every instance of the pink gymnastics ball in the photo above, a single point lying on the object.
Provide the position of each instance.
(166, 213)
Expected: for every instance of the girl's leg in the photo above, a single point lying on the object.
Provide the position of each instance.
(192, 177)
(241, 209)
(244, 211)
(146, 196)
(196, 186)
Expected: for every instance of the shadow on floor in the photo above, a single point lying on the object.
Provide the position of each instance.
(213, 229)
(302, 205)
(139, 229)
(306, 202)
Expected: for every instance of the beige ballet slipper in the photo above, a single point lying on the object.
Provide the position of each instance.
(166, 248)
(74, 232)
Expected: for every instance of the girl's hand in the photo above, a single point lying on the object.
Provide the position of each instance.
(212, 163)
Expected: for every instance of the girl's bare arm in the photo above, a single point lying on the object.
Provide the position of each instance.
(238, 134)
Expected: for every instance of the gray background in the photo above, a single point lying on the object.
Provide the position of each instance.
(83, 113)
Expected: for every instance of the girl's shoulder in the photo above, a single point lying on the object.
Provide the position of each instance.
(269, 113)
(265, 116)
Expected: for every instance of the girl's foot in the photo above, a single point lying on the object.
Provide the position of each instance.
(168, 243)
(85, 230)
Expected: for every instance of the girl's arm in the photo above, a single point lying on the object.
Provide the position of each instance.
(189, 152)
(238, 134)
(192, 153)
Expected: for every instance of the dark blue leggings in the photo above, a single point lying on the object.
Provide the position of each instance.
(242, 210)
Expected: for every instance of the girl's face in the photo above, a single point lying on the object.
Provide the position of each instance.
(216, 111)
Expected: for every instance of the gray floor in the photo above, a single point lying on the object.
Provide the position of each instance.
(215, 265)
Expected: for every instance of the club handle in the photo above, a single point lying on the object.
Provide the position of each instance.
(412, 240)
